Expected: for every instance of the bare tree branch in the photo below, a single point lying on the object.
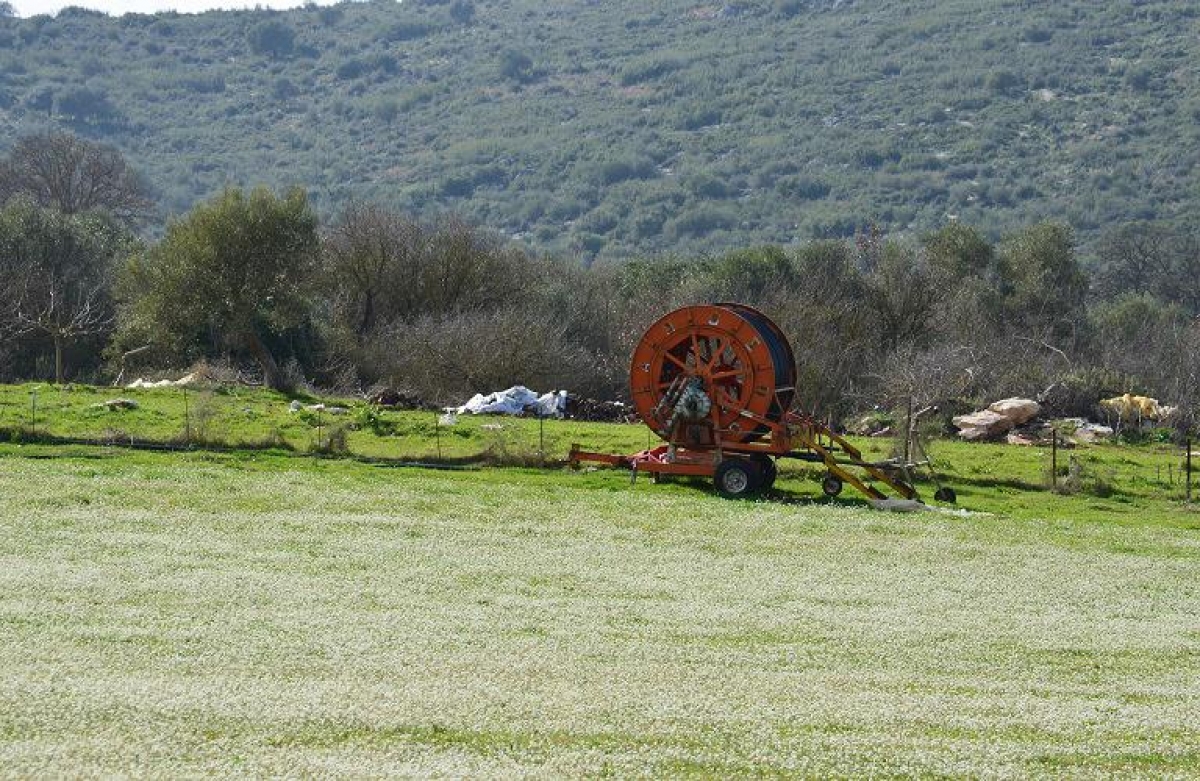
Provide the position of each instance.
(75, 175)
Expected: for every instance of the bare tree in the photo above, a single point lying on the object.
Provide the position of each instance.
(371, 259)
(1134, 259)
(388, 267)
(74, 175)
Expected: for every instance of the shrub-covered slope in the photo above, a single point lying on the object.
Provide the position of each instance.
(621, 127)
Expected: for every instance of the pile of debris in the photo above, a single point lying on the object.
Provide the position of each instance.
(597, 411)
(396, 399)
(517, 400)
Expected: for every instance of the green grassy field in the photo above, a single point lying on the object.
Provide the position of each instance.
(193, 613)
(1116, 484)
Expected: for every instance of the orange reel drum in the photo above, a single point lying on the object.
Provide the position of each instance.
(740, 358)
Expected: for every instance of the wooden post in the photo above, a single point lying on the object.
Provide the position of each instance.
(1189, 470)
(541, 435)
(1053, 459)
(908, 432)
(33, 410)
(187, 419)
(437, 434)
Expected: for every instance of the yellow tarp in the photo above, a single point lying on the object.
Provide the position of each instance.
(1135, 407)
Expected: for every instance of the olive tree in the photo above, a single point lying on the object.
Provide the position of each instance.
(1045, 286)
(56, 274)
(236, 269)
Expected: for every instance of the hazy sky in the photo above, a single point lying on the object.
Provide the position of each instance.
(118, 7)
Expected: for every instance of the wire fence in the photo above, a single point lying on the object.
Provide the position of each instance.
(226, 419)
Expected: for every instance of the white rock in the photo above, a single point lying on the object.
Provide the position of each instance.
(1017, 410)
(981, 425)
(1091, 432)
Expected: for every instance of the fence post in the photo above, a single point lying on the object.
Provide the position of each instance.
(187, 420)
(908, 434)
(437, 433)
(1053, 459)
(541, 436)
(1189, 470)
(33, 411)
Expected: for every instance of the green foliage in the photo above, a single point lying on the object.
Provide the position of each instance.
(647, 69)
(237, 266)
(517, 66)
(56, 277)
(1046, 285)
(820, 117)
(271, 37)
(408, 31)
(84, 104)
(329, 14)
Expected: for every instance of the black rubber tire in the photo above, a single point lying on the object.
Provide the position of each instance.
(766, 466)
(737, 478)
(946, 494)
(831, 486)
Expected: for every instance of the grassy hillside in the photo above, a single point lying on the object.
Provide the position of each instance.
(183, 615)
(622, 127)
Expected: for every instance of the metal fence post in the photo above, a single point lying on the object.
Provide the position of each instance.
(1189, 470)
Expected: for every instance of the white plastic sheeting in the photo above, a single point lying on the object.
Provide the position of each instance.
(515, 401)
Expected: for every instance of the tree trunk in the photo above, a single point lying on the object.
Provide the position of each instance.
(368, 316)
(58, 358)
(272, 377)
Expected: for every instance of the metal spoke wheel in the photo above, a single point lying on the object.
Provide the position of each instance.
(731, 354)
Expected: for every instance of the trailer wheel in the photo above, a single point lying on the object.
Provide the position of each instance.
(738, 477)
(831, 486)
(946, 494)
(766, 466)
